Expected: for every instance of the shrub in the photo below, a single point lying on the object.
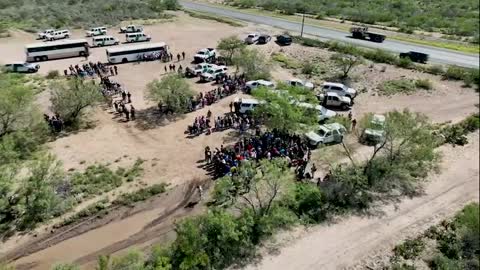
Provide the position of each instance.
(401, 86)
(410, 249)
(423, 84)
(455, 73)
(143, 194)
(285, 61)
(404, 62)
(435, 70)
(309, 68)
(52, 74)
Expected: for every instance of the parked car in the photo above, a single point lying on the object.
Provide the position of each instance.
(332, 99)
(250, 85)
(322, 112)
(22, 67)
(264, 39)
(61, 34)
(300, 83)
(43, 35)
(96, 31)
(245, 105)
(375, 132)
(326, 134)
(198, 69)
(104, 41)
(284, 40)
(131, 29)
(340, 89)
(214, 73)
(205, 55)
(252, 38)
(137, 37)
(415, 56)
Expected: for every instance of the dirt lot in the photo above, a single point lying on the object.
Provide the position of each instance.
(173, 158)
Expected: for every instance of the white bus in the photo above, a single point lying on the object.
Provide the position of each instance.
(56, 49)
(124, 54)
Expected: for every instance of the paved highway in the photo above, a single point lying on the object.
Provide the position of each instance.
(437, 55)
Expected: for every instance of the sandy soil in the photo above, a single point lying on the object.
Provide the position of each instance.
(170, 156)
(350, 243)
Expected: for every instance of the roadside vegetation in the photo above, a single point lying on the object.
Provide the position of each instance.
(35, 15)
(459, 19)
(452, 244)
(214, 17)
(403, 86)
(469, 76)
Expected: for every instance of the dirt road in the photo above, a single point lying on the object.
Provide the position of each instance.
(355, 239)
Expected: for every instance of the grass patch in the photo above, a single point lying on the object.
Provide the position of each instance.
(141, 195)
(285, 61)
(424, 84)
(99, 208)
(401, 86)
(213, 17)
(466, 48)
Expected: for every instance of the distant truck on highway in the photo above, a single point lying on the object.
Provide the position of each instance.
(417, 57)
(363, 33)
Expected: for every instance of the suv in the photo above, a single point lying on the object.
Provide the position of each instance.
(96, 31)
(375, 132)
(332, 99)
(264, 39)
(300, 83)
(58, 35)
(326, 134)
(284, 40)
(214, 73)
(43, 35)
(131, 29)
(245, 105)
(198, 69)
(415, 57)
(322, 112)
(22, 67)
(252, 38)
(205, 55)
(136, 37)
(340, 89)
(250, 85)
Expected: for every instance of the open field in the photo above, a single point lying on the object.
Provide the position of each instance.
(171, 157)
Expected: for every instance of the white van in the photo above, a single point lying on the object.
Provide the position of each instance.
(137, 37)
(96, 31)
(245, 105)
(58, 35)
(104, 41)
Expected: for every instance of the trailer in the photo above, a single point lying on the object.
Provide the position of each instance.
(363, 33)
(417, 57)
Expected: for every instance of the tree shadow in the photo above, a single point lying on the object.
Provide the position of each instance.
(151, 118)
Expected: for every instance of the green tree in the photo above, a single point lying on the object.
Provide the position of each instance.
(37, 191)
(254, 64)
(230, 46)
(173, 92)
(256, 186)
(133, 260)
(17, 110)
(70, 99)
(280, 109)
(346, 63)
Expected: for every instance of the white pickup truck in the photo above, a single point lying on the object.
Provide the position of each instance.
(131, 29)
(43, 35)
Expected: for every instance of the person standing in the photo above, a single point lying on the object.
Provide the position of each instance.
(171, 57)
(183, 55)
(132, 112)
(354, 124)
(116, 70)
(124, 96)
(127, 115)
(111, 72)
(129, 97)
(178, 57)
(165, 67)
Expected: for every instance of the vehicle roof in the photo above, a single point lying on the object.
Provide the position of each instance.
(333, 84)
(285, 36)
(265, 82)
(136, 46)
(103, 36)
(58, 42)
(295, 80)
(333, 126)
(133, 34)
(247, 100)
(264, 35)
(378, 118)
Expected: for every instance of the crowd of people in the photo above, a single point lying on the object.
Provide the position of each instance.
(55, 122)
(90, 69)
(268, 145)
(208, 124)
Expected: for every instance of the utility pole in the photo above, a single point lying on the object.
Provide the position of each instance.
(303, 23)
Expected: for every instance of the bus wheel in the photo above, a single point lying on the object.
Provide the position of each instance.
(124, 60)
(82, 53)
(37, 58)
(44, 58)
